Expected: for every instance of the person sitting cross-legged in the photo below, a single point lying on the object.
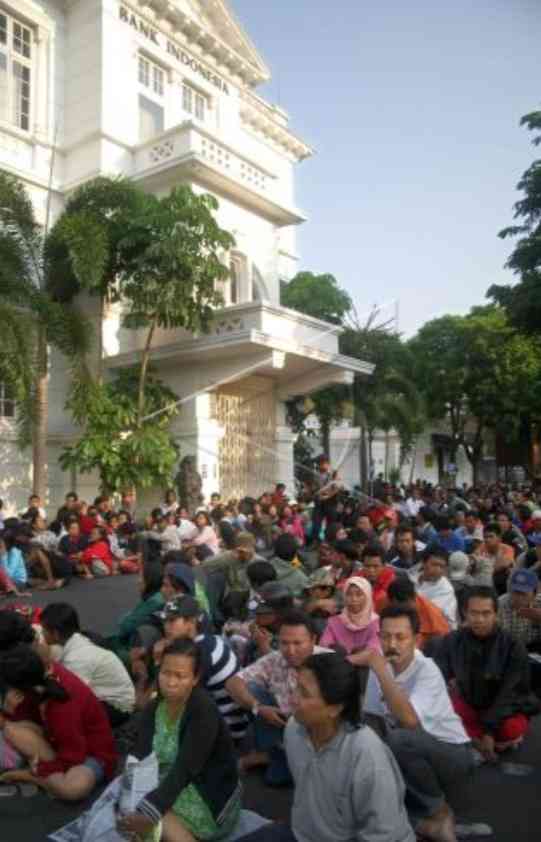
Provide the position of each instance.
(489, 676)
(268, 689)
(348, 785)
(70, 744)
(100, 668)
(198, 794)
(427, 737)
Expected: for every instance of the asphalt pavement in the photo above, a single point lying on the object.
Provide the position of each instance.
(511, 805)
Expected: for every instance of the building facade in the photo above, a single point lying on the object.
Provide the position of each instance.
(165, 92)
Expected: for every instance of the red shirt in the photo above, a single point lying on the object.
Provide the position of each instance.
(99, 550)
(379, 590)
(77, 728)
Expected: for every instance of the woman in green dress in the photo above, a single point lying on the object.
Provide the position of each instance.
(152, 600)
(199, 794)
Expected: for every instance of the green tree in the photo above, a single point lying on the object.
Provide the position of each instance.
(33, 321)
(125, 452)
(479, 374)
(523, 300)
(318, 296)
(167, 264)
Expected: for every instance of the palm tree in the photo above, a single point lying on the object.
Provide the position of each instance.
(33, 320)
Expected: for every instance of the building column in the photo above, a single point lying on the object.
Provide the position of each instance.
(284, 440)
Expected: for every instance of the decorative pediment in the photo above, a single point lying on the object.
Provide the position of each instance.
(212, 24)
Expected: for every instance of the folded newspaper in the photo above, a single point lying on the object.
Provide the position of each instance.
(99, 824)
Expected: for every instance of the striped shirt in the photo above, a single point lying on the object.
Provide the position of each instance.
(221, 664)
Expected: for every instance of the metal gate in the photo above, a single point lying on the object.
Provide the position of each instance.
(247, 460)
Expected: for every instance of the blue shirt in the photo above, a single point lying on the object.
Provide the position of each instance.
(13, 564)
(452, 543)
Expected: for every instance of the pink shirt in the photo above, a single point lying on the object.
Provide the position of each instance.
(337, 633)
(208, 537)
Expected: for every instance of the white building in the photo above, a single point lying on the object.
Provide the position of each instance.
(164, 91)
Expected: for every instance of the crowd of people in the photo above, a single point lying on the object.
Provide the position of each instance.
(368, 651)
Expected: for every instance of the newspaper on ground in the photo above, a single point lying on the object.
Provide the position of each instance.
(99, 824)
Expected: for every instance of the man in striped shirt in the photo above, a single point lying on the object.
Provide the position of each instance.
(183, 618)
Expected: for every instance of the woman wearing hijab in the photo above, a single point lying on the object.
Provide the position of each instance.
(357, 627)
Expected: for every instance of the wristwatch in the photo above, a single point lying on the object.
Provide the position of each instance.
(255, 709)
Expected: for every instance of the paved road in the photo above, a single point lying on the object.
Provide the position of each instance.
(511, 805)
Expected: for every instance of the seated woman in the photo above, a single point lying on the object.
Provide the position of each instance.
(70, 743)
(198, 796)
(43, 557)
(97, 559)
(152, 600)
(348, 784)
(206, 535)
(13, 573)
(356, 628)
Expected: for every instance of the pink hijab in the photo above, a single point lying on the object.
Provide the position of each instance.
(360, 621)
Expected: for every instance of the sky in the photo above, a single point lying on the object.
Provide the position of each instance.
(413, 107)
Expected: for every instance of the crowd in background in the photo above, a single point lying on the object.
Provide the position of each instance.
(260, 627)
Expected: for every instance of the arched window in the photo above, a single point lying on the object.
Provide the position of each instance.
(238, 281)
(259, 287)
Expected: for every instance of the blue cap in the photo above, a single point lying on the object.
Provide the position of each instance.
(524, 580)
(534, 538)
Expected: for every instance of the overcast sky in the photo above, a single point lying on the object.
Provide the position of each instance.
(413, 107)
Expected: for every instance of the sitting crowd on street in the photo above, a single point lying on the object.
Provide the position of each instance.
(369, 652)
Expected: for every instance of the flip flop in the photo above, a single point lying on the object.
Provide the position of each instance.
(475, 830)
(516, 770)
(28, 790)
(8, 790)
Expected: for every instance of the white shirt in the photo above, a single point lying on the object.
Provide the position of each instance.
(101, 670)
(186, 529)
(441, 593)
(413, 506)
(426, 690)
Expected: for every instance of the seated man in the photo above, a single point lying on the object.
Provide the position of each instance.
(100, 669)
(283, 561)
(424, 733)
(379, 574)
(405, 555)
(234, 565)
(431, 581)
(500, 555)
(268, 689)
(433, 625)
(519, 614)
(344, 562)
(489, 675)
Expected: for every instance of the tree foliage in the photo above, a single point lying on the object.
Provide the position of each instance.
(318, 296)
(124, 452)
(523, 300)
(161, 258)
(32, 319)
(479, 373)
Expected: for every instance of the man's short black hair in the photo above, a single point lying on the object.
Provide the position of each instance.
(286, 546)
(426, 513)
(443, 522)
(401, 590)
(404, 529)
(358, 536)
(260, 572)
(347, 548)
(61, 617)
(493, 527)
(298, 618)
(481, 592)
(374, 551)
(393, 612)
(437, 551)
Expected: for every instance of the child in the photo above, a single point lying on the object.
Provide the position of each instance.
(97, 559)
(13, 573)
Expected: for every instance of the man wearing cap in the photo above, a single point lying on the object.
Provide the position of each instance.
(321, 598)
(532, 557)
(519, 611)
(233, 564)
(183, 619)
